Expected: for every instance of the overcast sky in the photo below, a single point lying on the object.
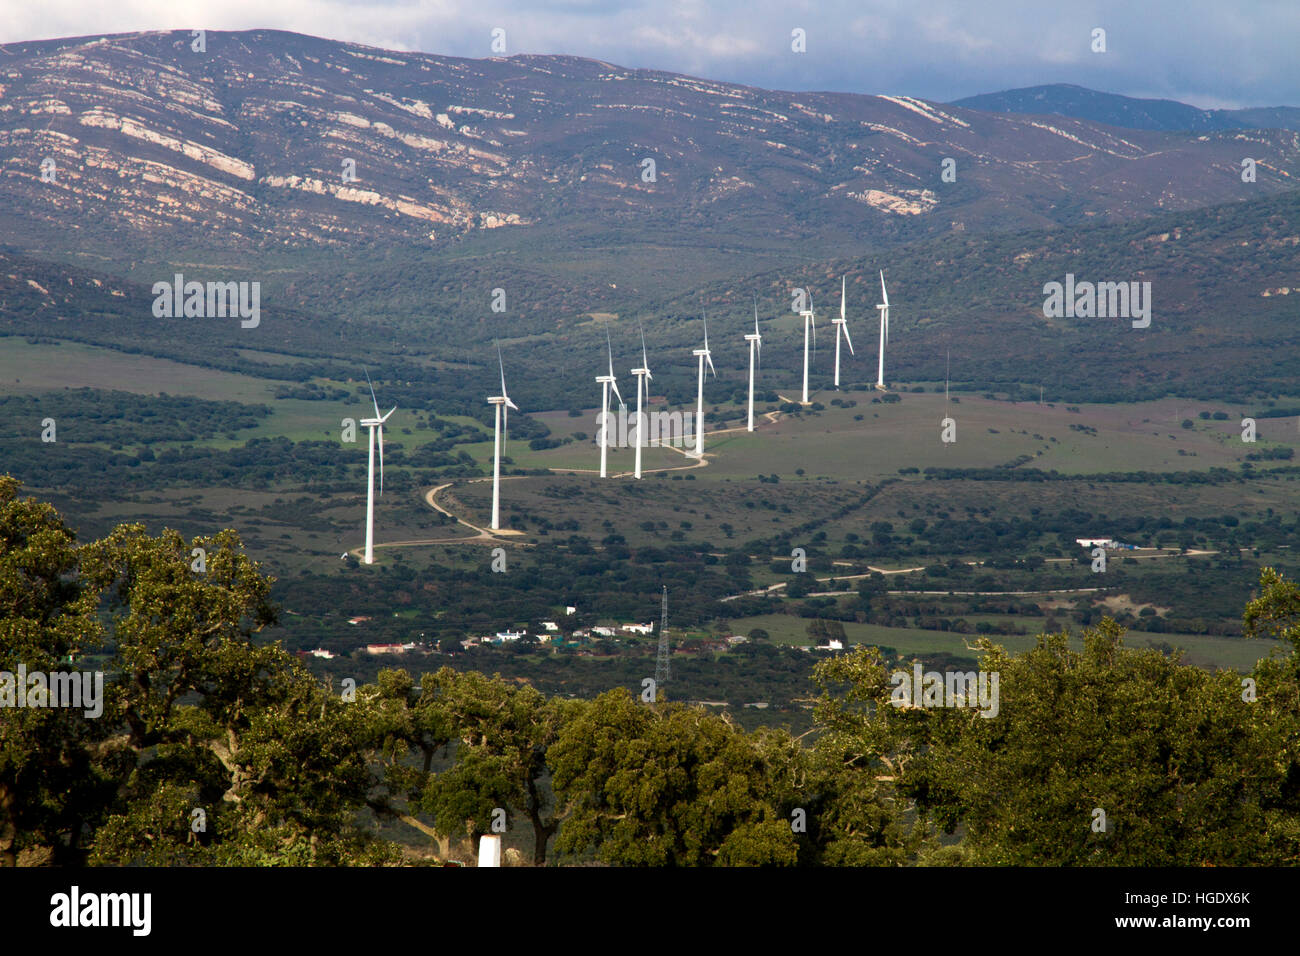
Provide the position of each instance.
(1207, 53)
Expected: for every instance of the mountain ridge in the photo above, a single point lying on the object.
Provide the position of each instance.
(1128, 112)
(245, 147)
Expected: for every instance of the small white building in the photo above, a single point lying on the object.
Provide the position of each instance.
(389, 648)
(321, 652)
(1096, 542)
(503, 636)
(637, 628)
(603, 631)
(550, 626)
(570, 610)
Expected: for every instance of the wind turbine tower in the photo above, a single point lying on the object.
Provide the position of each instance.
(642, 376)
(841, 325)
(703, 355)
(883, 308)
(503, 404)
(606, 381)
(375, 424)
(809, 328)
(755, 343)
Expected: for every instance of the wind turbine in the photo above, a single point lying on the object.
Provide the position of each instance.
(642, 376)
(374, 424)
(704, 355)
(841, 325)
(503, 404)
(883, 308)
(605, 382)
(809, 325)
(755, 342)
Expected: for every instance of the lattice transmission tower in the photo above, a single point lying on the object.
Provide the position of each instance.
(661, 661)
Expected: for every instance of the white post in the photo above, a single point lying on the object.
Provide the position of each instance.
(370, 501)
(489, 850)
(751, 384)
(496, 472)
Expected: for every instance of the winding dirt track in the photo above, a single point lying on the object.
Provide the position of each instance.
(485, 536)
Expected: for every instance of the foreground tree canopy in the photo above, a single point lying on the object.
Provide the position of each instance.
(213, 746)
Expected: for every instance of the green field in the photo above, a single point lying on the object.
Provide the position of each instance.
(25, 367)
(1202, 651)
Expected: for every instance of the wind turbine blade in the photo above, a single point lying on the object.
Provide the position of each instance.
(610, 346)
(812, 323)
(843, 287)
(390, 411)
(372, 392)
(847, 337)
(884, 294)
(645, 361)
(617, 393)
(381, 460)
(708, 356)
(502, 364)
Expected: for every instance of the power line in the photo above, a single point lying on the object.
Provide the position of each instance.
(661, 661)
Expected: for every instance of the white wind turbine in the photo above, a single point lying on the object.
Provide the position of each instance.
(642, 376)
(755, 342)
(841, 325)
(703, 355)
(884, 331)
(809, 325)
(606, 381)
(502, 403)
(375, 424)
